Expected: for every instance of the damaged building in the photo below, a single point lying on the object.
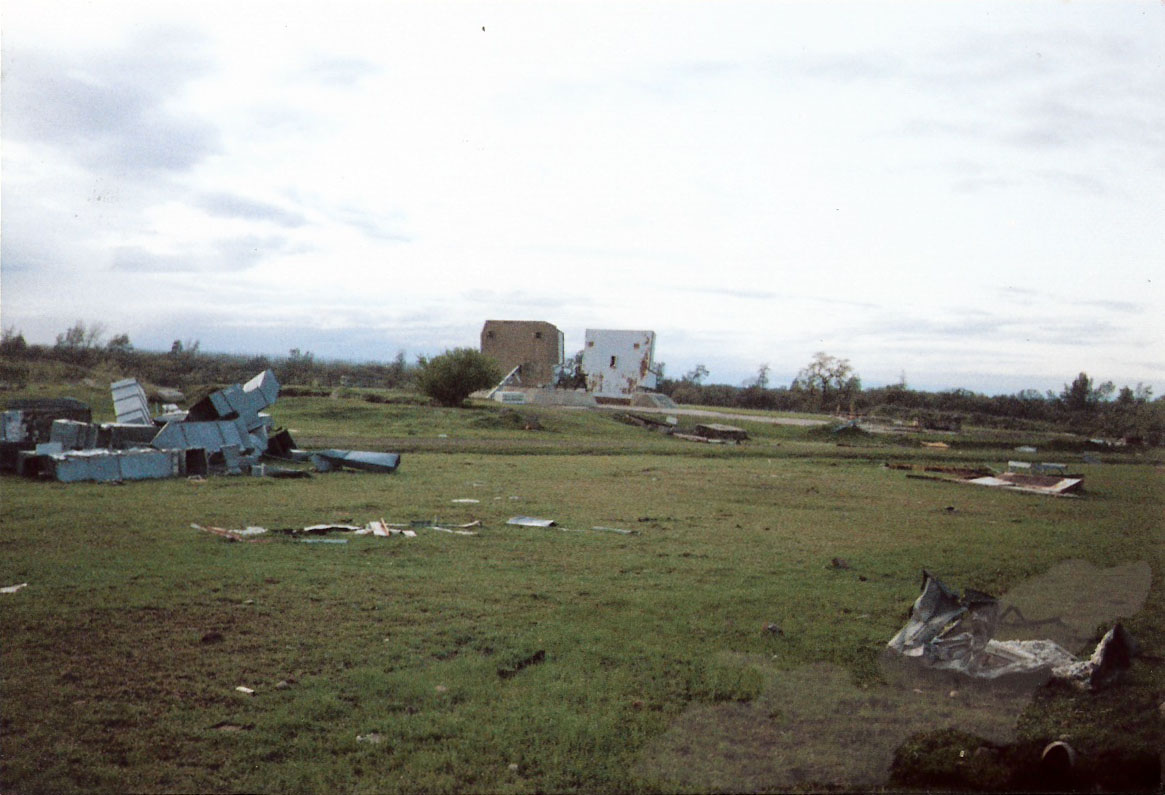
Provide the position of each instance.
(619, 363)
(530, 351)
(226, 431)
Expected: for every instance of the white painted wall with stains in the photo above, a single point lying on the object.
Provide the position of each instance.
(619, 362)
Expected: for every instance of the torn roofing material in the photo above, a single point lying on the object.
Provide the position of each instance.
(947, 632)
(531, 521)
(358, 459)
(1033, 484)
(1049, 485)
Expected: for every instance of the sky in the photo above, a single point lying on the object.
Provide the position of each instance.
(961, 194)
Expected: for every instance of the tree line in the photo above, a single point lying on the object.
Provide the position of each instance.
(830, 385)
(187, 366)
(827, 384)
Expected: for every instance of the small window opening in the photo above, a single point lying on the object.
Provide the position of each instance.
(612, 361)
(489, 335)
(537, 335)
(637, 346)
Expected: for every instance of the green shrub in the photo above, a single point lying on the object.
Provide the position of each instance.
(451, 377)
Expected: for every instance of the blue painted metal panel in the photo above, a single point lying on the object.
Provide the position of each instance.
(148, 464)
(360, 459)
(263, 388)
(73, 435)
(109, 465)
(129, 402)
(210, 436)
(244, 401)
(100, 465)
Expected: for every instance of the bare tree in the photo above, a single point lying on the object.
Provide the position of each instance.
(696, 375)
(828, 377)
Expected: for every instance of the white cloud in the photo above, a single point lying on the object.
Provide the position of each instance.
(755, 181)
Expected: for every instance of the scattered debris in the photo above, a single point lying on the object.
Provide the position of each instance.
(1038, 468)
(645, 421)
(839, 563)
(1033, 484)
(371, 738)
(952, 633)
(526, 662)
(727, 433)
(320, 529)
(224, 431)
(323, 541)
(465, 501)
(1026, 449)
(531, 521)
(936, 445)
(710, 433)
(234, 535)
(774, 629)
(1041, 478)
(619, 530)
(284, 472)
(327, 460)
(375, 528)
(453, 530)
(13, 588)
(245, 690)
(378, 528)
(283, 684)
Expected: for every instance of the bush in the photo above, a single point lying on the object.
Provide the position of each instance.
(452, 376)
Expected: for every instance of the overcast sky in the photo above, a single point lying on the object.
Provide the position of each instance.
(971, 194)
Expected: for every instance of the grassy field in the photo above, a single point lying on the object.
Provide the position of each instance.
(717, 648)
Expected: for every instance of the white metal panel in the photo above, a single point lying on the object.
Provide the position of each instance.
(618, 363)
(129, 403)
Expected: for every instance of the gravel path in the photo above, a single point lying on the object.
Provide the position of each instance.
(769, 420)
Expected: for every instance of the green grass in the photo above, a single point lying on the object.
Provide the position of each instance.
(656, 673)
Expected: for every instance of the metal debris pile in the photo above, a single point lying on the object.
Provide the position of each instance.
(708, 433)
(1049, 479)
(311, 533)
(227, 432)
(947, 632)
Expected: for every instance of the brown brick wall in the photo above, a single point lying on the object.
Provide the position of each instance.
(533, 344)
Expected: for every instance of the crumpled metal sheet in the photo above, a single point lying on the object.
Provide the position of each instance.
(949, 632)
(326, 460)
(235, 401)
